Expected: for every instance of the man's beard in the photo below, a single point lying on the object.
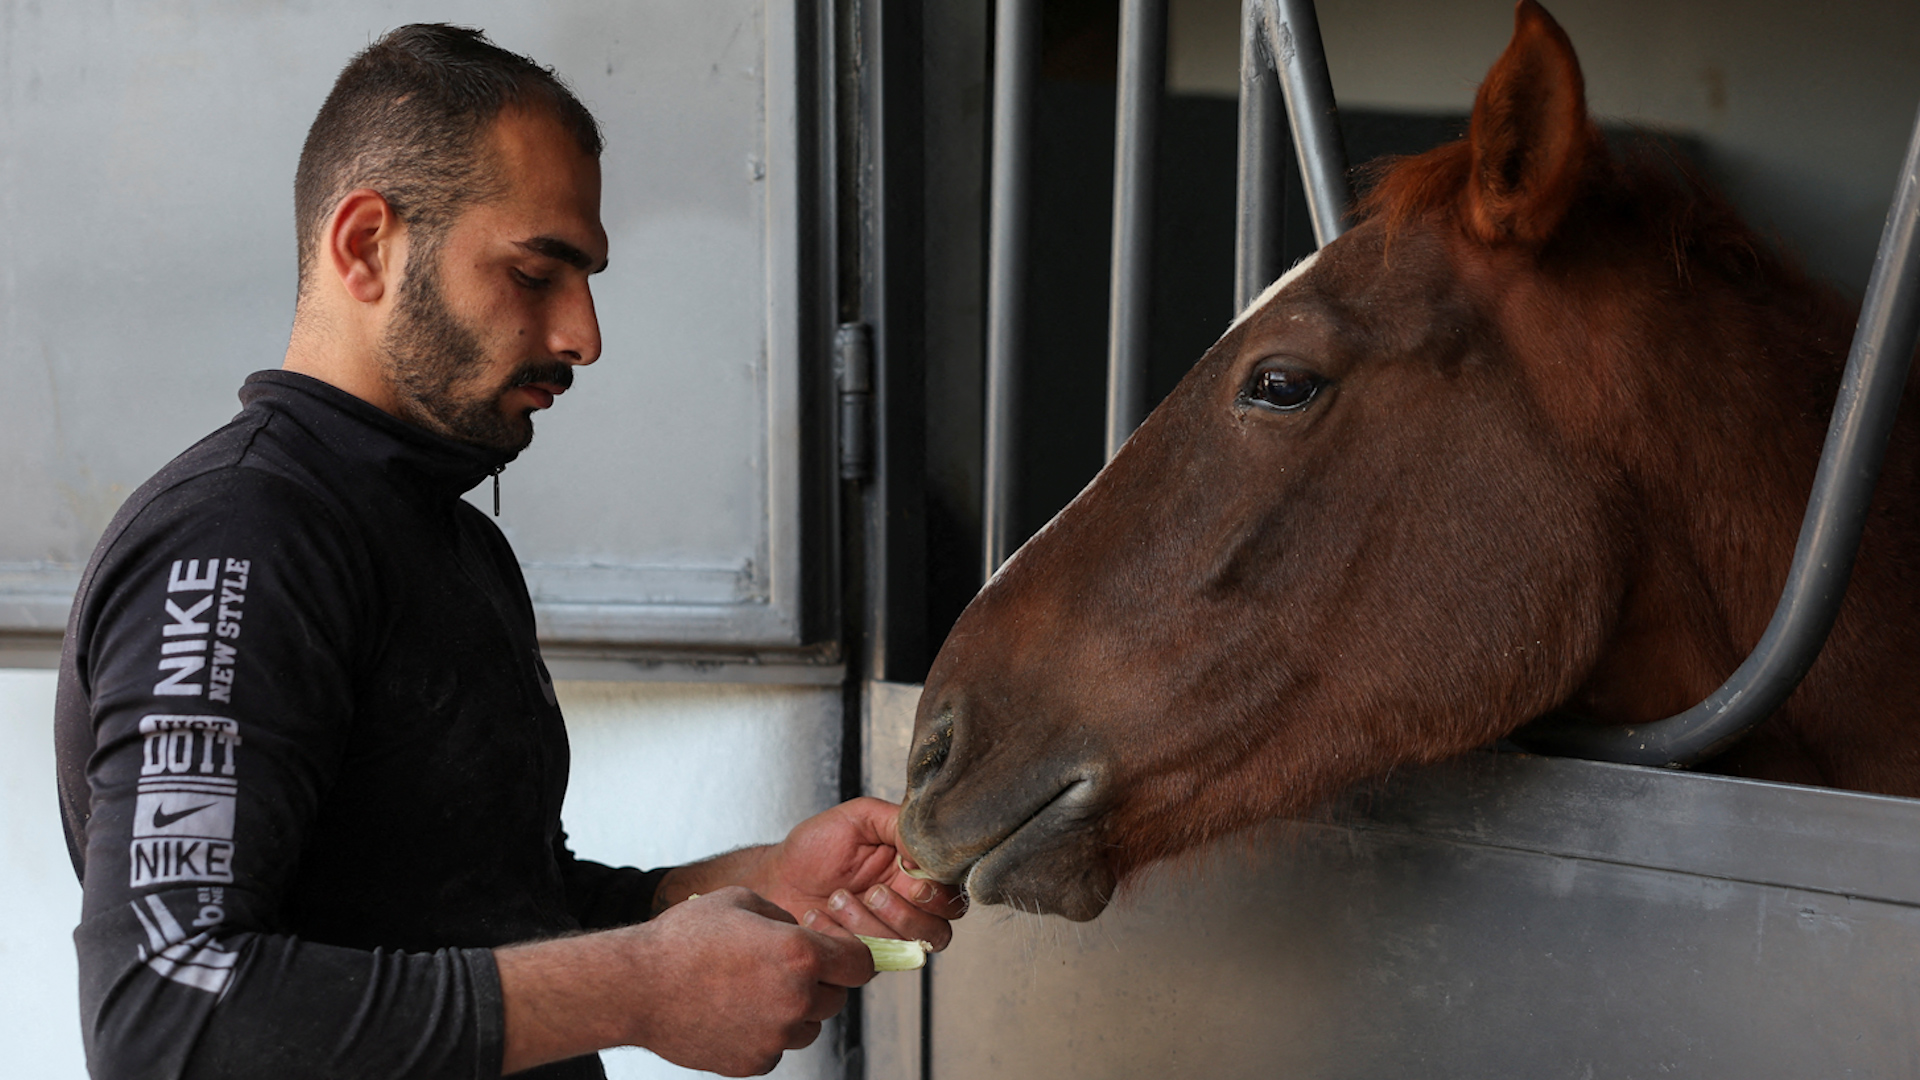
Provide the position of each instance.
(436, 364)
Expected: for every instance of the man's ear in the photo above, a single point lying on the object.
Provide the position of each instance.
(1531, 139)
(364, 245)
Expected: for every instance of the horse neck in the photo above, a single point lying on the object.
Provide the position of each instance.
(1729, 420)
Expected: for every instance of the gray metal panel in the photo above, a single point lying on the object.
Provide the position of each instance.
(1492, 916)
(1814, 839)
(660, 504)
(892, 1007)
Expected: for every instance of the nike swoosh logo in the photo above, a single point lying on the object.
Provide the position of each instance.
(162, 819)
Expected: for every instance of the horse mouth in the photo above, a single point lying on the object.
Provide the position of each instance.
(1047, 864)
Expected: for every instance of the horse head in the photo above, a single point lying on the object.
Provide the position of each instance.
(1485, 456)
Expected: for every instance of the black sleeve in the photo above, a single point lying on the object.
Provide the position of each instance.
(602, 897)
(215, 643)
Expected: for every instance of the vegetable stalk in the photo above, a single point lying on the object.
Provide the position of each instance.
(892, 955)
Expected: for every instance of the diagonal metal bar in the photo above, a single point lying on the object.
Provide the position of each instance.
(1260, 213)
(1293, 41)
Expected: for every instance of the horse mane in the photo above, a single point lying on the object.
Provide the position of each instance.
(1646, 197)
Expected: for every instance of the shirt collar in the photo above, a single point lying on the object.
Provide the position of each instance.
(363, 433)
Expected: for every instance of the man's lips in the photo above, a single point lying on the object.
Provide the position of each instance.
(542, 394)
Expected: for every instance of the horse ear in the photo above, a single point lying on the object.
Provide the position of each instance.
(1530, 134)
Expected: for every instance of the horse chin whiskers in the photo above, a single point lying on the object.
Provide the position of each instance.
(967, 892)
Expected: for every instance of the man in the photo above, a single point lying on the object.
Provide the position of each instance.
(311, 761)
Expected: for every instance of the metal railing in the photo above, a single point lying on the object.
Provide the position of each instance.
(1283, 66)
(1281, 35)
(1016, 61)
(1143, 73)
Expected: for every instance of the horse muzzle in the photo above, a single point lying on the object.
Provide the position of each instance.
(1030, 846)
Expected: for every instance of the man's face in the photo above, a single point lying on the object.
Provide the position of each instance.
(490, 320)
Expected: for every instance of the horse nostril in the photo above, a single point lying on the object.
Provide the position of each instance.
(932, 752)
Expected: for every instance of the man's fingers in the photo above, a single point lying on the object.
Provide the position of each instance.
(937, 898)
(844, 959)
(827, 923)
(905, 920)
(880, 912)
(879, 818)
(847, 909)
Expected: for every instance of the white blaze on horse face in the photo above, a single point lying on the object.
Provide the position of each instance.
(1259, 302)
(1273, 290)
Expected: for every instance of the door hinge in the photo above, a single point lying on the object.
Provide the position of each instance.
(853, 372)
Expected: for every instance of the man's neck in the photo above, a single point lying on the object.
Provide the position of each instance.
(340, 360)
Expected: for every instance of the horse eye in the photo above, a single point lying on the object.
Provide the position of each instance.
(1284, 390)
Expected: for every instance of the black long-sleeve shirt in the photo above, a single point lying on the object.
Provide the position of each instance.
(311, 763)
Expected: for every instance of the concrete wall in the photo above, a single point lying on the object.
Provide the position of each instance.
(662, 773)
(666, 773)
(1805, 109)
(39, 899)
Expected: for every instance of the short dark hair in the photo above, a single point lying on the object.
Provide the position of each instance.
(408, 117)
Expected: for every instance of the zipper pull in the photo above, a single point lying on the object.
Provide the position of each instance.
(496, 489)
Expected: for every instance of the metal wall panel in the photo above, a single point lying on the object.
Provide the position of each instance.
(146, 159)
(1491, 917)
(1498, 915)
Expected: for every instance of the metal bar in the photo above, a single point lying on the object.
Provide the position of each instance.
(1016, 59)
(1293, 40)
(1260, 216)
(1014, 68)
(1143, 73)
(1863, 418)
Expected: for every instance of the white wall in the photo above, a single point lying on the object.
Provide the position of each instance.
(1805, 108)
(147, 153)
(666, 773)
(662, 773)
(39, 899)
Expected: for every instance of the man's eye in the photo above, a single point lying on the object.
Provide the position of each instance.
(529, 281)
(1284, 390)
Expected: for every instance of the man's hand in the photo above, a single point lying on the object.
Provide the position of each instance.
(841, 866)
(725, 983)
(845, 863)
(746, 983)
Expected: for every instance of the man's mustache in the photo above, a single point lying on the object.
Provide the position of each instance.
(552, 372)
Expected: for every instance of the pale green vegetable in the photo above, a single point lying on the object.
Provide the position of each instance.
(892, 955)
(889, 954)
(900, 860)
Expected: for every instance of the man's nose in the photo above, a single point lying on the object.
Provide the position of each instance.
(575, 333)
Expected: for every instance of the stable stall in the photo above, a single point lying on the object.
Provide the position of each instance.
(1501, 914)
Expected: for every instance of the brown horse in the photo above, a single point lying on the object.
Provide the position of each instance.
(1535, 434)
